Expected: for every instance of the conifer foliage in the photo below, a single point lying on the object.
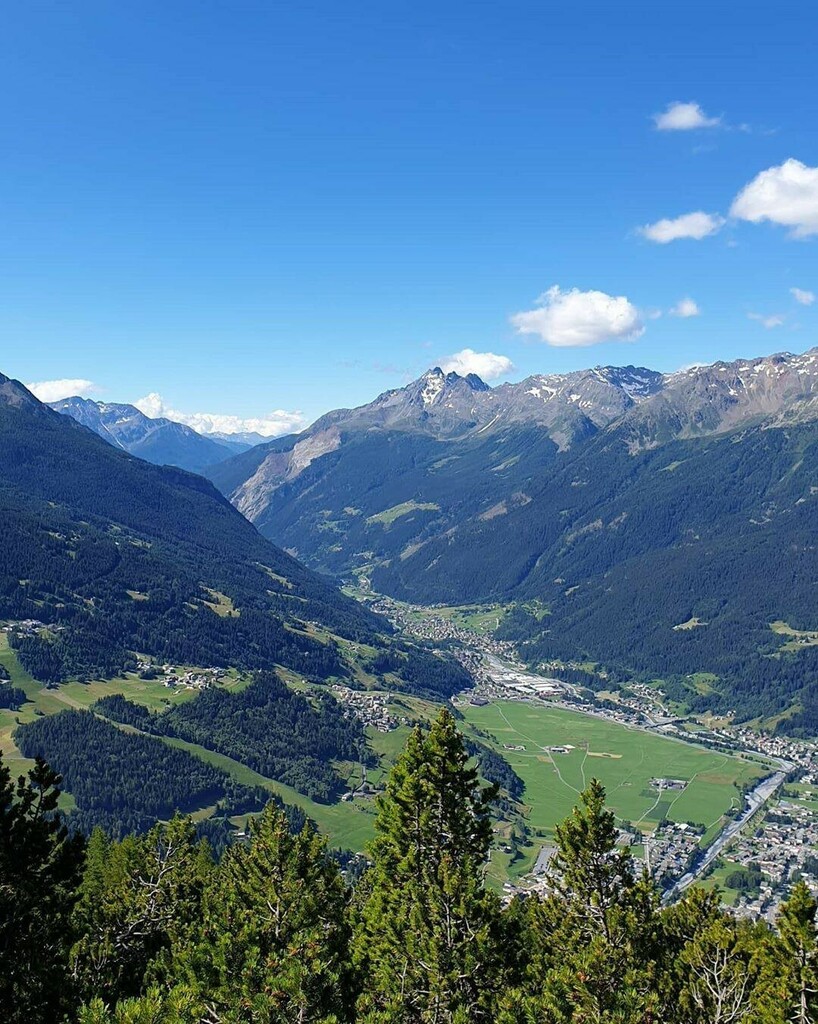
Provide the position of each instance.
(427, 941)
(153, 930)
(39, 874)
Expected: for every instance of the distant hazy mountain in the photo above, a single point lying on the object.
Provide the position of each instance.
(627, 501)
(161, 441)
(242, 440)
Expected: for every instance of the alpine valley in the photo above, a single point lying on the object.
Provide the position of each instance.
(613, 528)
(660, 526)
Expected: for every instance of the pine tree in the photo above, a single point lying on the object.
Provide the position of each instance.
(718, 977)
(789, 975)
(39, 871)
(180, 1006)
(139, 902)
(275, 940)
(427, 938)
(678, 926)
(592, 874)
(593, 940)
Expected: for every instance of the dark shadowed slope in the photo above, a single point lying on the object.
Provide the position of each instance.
(124, 556)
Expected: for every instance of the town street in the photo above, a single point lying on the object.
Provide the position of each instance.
(755, 799)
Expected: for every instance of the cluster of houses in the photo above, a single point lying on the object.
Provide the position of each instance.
(29, 627)
(193, 679)
(663, 784)
(784, 846)
(427, 625)
(670, 848)
(370, 707)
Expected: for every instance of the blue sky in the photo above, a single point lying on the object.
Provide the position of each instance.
(249, 207)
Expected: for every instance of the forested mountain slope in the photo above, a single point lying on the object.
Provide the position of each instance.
(377, 484)
(684, 500)
(119, 556)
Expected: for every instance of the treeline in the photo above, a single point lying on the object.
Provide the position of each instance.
(152, 930)
(278, 733)
(126, 781)
(11, 697)
(495, 769)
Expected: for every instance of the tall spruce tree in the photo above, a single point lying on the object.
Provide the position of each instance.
(426, 943)
(39, 871)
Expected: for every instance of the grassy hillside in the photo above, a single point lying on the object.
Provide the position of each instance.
(120, 558)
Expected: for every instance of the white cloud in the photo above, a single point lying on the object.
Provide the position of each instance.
(575, 318)
(802, 296)
(272, 425)
(684, 117)
(486, 365)
(56, 390)
(775, 320)
(786, 195)
(696, 225)
(685, 308)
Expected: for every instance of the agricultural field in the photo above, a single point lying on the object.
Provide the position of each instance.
(389, 515)
(623, 758)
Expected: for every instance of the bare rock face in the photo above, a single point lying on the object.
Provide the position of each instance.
(439, 404)
(445, 406)
(573, 406)
(714, 399)
(16, 396)
(253, 496)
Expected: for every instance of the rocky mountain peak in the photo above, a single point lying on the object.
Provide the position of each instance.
(15, 395)
(161, 441)
(435, 383)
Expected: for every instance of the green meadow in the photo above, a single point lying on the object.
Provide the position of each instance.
(623, 758)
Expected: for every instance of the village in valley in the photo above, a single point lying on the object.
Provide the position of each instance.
(771, 842)
(768, 844)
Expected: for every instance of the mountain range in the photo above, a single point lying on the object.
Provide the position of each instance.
(663, 521)
(119, 558)
(160, 441)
